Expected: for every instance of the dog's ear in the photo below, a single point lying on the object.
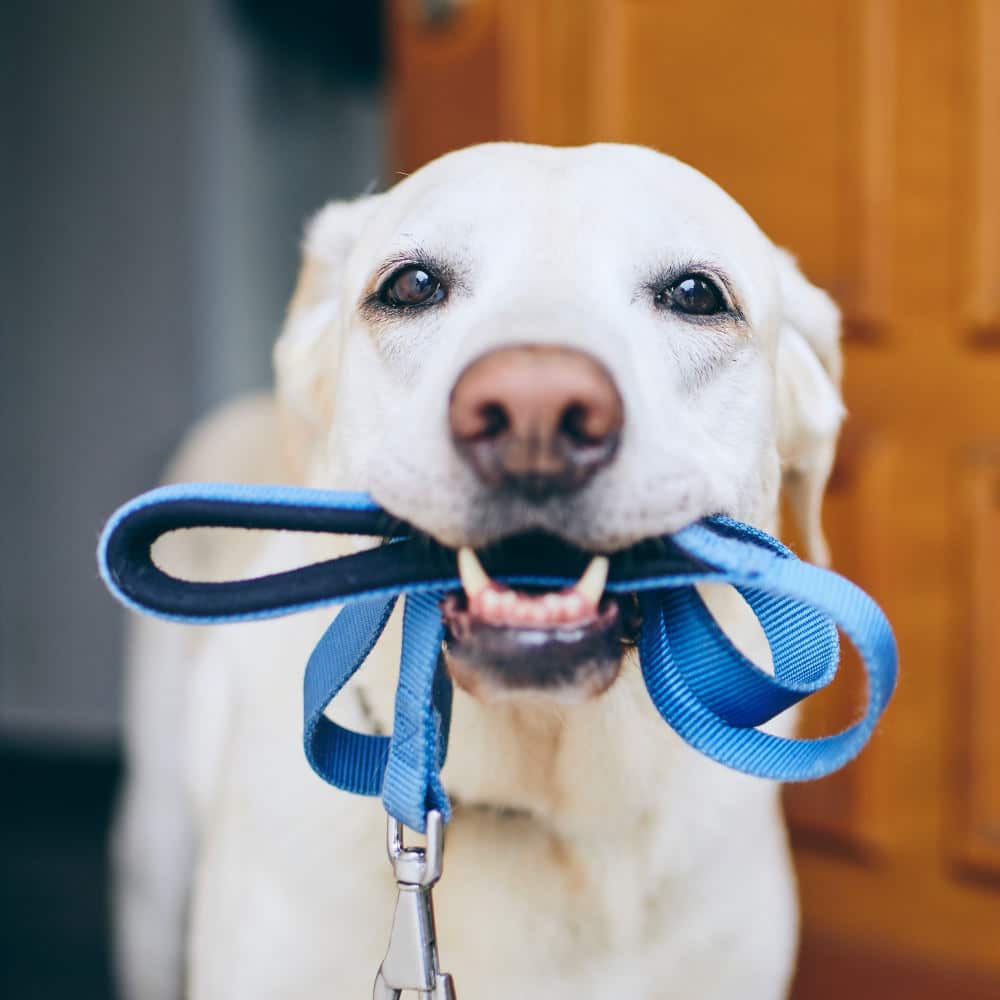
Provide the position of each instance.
(306, 353)
(810, 408)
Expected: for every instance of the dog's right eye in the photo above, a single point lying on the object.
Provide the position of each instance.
(694, 295)
(411, 286)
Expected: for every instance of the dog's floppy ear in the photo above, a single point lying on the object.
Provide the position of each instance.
(305, 356)
(810, 408)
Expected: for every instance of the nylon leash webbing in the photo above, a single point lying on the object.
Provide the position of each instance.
(701, 685)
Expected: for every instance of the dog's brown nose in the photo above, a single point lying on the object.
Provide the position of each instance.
(540, 420)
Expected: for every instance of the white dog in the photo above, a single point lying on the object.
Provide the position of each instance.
(596, 343)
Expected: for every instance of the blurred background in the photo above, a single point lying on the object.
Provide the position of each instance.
(159, 160)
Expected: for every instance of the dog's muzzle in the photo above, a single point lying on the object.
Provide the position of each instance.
(534, 422)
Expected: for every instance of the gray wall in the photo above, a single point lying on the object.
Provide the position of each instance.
(155, 172)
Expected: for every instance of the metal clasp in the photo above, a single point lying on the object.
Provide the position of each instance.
(411, 961)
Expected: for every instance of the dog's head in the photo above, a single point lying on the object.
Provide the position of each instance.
(595, 345)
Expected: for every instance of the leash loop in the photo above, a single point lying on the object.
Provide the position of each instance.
(699, 683)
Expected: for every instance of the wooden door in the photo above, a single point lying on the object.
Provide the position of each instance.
(865, 136)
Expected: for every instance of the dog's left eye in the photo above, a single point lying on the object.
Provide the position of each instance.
(694, 294)
(411, 286)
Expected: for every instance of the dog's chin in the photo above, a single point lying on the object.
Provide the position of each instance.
(563, 663)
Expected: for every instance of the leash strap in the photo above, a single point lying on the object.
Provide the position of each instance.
(697, 684)
(360, 763)
(701, 685)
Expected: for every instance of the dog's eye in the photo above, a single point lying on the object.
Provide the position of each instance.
(694, 294)
(411, 286)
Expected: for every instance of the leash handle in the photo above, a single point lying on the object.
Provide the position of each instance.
(126, 562)
(125, 555)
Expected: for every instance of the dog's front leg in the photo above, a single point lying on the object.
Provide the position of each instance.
(293, 895)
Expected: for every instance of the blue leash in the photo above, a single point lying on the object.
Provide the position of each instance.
(701, 685)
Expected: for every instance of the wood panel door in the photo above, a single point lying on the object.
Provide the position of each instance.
(865, 136)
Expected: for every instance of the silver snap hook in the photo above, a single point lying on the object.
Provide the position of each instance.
(411, 961)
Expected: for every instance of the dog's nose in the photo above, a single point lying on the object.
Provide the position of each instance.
(541, 420)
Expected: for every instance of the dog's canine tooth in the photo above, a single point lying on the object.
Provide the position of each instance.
(591, 584)
(474, 578)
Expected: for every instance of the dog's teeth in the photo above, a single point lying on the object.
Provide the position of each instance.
(537, 614)
(574, 606)
(470, 569)
(490, 603)
(554, 604)
(499, 605)
(591, 585)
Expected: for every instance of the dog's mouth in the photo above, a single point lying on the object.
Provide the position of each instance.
(566, 643)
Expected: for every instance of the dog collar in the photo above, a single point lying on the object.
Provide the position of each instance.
(701, 685)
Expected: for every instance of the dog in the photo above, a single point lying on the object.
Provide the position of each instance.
(593, 343)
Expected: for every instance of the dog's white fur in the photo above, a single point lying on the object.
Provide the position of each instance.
(592, 854)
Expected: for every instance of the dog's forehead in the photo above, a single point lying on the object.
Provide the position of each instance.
(591, 199)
